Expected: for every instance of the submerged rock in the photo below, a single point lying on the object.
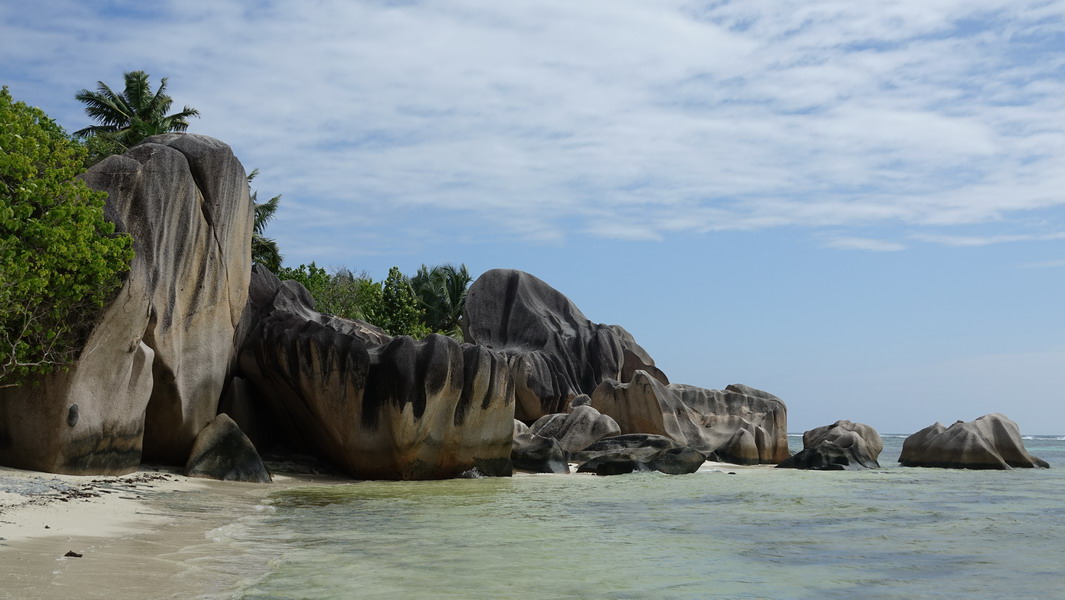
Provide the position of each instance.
(553, 351)
(739, 424)
(223, 452)
(154, 364)
(378, 407)
(990, 442)
(842, 445)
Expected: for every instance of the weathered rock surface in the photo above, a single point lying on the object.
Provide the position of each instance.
(531, 452)
(378, 407)
(739, 424)
(638, 452)
(222, 451)
(578, 429)
(554, 352)
(153, 367)
(841, 445)
(990, 442)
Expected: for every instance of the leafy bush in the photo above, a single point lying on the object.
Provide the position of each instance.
(341, 294)
(60, 261)
(430, 302)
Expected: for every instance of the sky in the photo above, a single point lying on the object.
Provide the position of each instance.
(856, 206)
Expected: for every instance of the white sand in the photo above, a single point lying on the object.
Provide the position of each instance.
(131, 544)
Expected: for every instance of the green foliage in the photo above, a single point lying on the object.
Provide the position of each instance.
(441, 293)
(127, 118)
(341, 294)
(401, 312)
(60, 261)
(430, 302)
(264, 250)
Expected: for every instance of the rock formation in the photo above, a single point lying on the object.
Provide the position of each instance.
(841, 445)
(554, 352)
(152, 369)
(222, 451)
(538, 454)
(575, 431)
(378, 407)
(741, 425)
(990, 442)
(638, 452)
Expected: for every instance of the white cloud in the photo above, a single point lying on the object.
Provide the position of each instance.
(552, 119)
(857, 243)
(987, 240)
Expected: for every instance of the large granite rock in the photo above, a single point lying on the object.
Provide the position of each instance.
(841, 445)
(739, 424)
(576, 430)
(222, 451)
(378, 407)
(638, 452)
(554, 352)
(990, 442)
(153, 367)
(535, 453)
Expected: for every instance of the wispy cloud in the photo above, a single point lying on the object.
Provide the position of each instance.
(1045, 264)
(553, 119)
(987, 240)
(857, 243)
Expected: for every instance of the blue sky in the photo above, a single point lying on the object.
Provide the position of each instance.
(859, 207)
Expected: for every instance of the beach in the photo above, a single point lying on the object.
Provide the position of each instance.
(724, 532)
(138, 535)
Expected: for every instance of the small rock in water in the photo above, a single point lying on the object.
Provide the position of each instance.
(72, 554)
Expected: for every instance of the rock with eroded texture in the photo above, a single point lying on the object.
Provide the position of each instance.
(576, 430)
(376, 406)
(990, 442)
(638, 452)
(841, 445)
(153, 367)
(222, 451)
(554, 352)
(739, 424)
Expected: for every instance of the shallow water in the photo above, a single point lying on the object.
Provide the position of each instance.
(758, 533)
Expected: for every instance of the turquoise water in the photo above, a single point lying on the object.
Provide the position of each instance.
(757, 533)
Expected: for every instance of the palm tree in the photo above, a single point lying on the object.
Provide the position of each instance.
(441, 293)
(264, 250)
(133, 115)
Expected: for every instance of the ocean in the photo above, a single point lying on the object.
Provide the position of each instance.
(720, 533)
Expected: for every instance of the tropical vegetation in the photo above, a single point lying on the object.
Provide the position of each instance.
(430, 302)
(264, 250)
(124, 119)
(60, 261)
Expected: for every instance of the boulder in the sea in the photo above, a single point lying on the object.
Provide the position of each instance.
(377, 406)
(739, 424)
(638, 452)
(554, 352)
(576, 430)
(537, 454)
(990, 442)
(841, 445)
(222, 451)
(154, 364)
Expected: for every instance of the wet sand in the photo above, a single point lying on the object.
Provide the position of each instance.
(139, 535)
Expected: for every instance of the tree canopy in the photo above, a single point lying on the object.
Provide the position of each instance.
(127, 118)
(264, 250)
(430, 302)
(60, 261)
